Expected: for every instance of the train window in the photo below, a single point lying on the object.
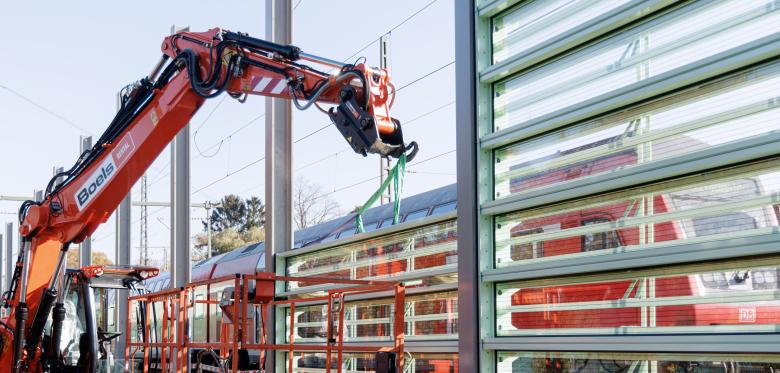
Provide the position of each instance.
(721, 298)
(330, 237)
(539, 362)
(716, 280)
(682, 123)
(763, 278)
(414, 215)
(386, 223)
(599, 240)
(527, 250)
(347, 233)
(444, 208)
(729, 203)
(371, 226)
(685, 36)
(727, 223)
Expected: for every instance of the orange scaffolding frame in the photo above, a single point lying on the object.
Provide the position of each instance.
(257, 290)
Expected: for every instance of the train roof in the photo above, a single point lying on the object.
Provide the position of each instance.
(427, 201)
(434, 202)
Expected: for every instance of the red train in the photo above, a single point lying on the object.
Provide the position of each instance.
(612, 315)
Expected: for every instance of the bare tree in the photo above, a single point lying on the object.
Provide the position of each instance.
(311, 205)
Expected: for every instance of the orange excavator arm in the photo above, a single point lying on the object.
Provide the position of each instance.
(153, 111)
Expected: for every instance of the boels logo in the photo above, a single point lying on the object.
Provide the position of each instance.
(95, 182)
(104, 173)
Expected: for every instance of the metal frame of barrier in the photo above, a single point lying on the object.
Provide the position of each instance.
(174, 341)
(170, 338)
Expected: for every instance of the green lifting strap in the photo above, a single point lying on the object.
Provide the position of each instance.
(397, 177)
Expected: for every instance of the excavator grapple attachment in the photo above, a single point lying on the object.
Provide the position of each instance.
(361, 129)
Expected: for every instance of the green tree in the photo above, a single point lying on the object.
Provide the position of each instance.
(225, 241)
(255, 213)
(236, 222)
(230, 213)
(234, 212)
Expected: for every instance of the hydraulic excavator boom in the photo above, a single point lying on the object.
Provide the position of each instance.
(200, 65)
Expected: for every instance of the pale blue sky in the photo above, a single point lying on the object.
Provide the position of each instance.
(72, 59)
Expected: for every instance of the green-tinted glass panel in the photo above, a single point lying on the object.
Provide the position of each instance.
(533, 23)
(610, 362)
(723, 299)
(737, 108)
(679, 38)
(734, 203)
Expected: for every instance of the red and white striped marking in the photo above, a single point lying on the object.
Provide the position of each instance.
(273, 86)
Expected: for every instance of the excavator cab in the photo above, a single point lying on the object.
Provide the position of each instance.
(79, 334)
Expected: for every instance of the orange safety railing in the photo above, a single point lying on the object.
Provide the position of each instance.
(221, 340)
(161, 330)
(335, 299)
(187, 311)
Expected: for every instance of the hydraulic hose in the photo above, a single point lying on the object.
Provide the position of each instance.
(21, 319)
(58, 316)
(289, 52)
(321, 89)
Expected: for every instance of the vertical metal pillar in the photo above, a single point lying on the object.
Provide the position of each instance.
(468, 211)
(58, 181)
(180, 204)
(9, 251)
(85, 248)
(123, 216)
(384, 162)
(180, 208)
(278, 164)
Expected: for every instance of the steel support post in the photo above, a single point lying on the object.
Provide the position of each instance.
(466, 145)
(278, 163)
(9, 251)
(180, 208)
(384, 162)
(123, 216)
(180, 203)
(85, 248)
